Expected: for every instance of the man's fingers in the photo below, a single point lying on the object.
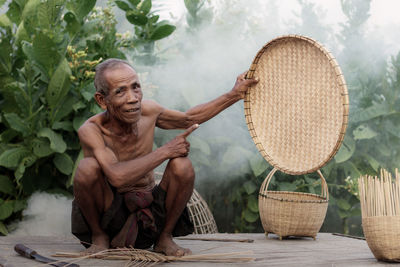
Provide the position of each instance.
(190, 130)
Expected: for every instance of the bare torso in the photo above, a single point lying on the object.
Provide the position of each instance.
(128, 146)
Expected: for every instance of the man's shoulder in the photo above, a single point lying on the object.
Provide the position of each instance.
(151, 107)
(91, 125)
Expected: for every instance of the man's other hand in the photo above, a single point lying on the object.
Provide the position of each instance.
(179, 147)
(242, 84)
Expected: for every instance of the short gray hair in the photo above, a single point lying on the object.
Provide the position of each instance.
(100, 81)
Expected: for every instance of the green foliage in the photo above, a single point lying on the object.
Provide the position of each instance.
(48, 51)
(147, 29)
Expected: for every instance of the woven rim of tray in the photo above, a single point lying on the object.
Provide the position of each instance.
(297, 114)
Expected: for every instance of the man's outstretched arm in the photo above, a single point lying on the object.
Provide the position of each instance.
(172, 119)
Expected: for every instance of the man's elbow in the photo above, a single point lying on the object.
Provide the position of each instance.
(115, 179)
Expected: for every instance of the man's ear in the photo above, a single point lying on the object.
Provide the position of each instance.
(101, 100)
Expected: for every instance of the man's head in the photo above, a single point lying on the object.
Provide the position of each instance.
(118, 90)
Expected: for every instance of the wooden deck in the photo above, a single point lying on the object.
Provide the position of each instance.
(326, 250)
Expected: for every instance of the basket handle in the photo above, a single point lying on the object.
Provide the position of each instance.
(324, 186)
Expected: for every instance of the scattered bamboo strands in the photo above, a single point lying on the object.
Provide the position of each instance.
(380, 196)
(139, 257)
(243, 240)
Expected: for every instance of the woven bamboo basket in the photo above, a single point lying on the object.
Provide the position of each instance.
(297, 116)
(199, 212)
(380, 210)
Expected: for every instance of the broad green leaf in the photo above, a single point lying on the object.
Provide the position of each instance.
(134, 2)
(346, 150)
(63, 163)
(343, 204)
(198, 143)
(21, 34)
(154, 19)
(43, 52)
(250, 216)
(14, 11)
(249, 187)
(41, 147)
(5, 21)
(162, 32)
(64, 125)
(59, 84)
(88, 92)
(25, 163)
(78, 105)
(258, 166)
(12, 157)
(64, 109)
(364, 132)
(372, 162)
(73, 25)
(17, 123)
(372, 112)
(144, 6)
(6, 209)
(30, 15)
(7, 186)
(71, 178)
(123, 5)
(136, 18)
(19, 205)
(49, 13)
(81, 8)
(3, 229)
(252, 203)
(57, 143)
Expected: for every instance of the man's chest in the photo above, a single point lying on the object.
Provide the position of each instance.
(134, 145)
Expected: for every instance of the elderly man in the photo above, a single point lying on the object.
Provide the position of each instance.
(116, 201)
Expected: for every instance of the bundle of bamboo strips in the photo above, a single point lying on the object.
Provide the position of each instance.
(380, 208)
(139, 257)
(380, 197)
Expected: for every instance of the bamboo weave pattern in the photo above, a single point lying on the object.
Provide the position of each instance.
(297, 114)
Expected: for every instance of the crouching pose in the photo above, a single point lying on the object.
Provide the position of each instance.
(117, 203)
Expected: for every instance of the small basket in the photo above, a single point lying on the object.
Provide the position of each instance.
(200, 215)
(383, 234)
(292, 213)
(380, 212)
(199, 212)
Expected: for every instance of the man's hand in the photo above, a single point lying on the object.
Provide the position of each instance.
(242, 84)
(179, 147)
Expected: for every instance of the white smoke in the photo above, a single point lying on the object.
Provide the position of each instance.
(46, 215)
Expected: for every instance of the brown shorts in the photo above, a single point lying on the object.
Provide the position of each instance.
(114, 219)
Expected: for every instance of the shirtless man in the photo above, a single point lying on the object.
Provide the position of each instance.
(118, 160)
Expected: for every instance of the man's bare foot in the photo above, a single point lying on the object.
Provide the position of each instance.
(99, 243)
(167, 246)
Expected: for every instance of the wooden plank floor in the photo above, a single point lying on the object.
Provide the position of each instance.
(326, 250)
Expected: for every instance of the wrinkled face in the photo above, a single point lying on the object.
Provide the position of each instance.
(125, 94)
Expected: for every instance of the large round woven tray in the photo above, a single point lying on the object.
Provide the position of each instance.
(297, 113)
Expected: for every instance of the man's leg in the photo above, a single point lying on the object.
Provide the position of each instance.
(93, 196)
(178, 182)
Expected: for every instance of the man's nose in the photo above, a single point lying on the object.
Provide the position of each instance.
(132, 96)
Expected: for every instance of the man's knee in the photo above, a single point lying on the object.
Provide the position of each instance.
(182, 169)
(88, 172)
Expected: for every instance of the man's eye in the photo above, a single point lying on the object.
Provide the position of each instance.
(118, 91)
